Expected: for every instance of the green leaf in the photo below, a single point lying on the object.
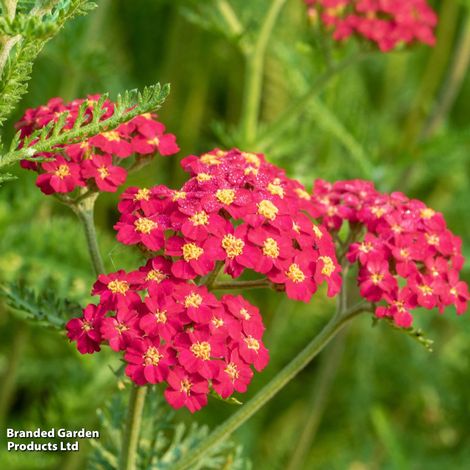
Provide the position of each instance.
(45, 308)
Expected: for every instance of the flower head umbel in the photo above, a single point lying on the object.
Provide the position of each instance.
(407, 257)
(388, 23)
(174, 332)
(96, 162)
(241, 211)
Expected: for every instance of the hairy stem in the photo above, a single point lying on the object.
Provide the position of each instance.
(130, 438)
(271, 389)
(254, 75)
(85, 212)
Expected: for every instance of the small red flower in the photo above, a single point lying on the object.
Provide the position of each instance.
(86, 330)
(186, 389)
(148, 361)
(61, 176)
(106, 176)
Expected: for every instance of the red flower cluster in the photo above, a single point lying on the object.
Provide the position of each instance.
(408, 258)
(388, 23)
(175, 332)
(95, 162)
(238, 210)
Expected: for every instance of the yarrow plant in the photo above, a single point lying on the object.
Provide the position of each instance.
(238, 222)
(387, 23)
(236, 212)
(98, 162)
(407, 256)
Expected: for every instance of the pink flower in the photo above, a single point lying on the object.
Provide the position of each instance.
(121, 329)
(106, 176)
(86, 330)
(186, 389)
(234, 374)
(196, 351)
(60, 176)
(115, 291)
(148, 361)
(198, 259)
(147, 230)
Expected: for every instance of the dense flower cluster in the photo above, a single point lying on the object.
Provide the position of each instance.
(237, 210)
(175, 332)
(407, 257)
(387, 23)
(97, 161)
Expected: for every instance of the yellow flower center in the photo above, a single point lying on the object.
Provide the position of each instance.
(400, 305)
(225, 196)
(252, 343)
(152, 356)
(185, 386)
(427, 213)
(121, 327)
(267, 209)
(328, 266)
(193, 300)
(217, 322)
(295, 274)
(160, 316)
(295, 227)
(118, 287)
(202, 350)
(302, 194)
(453, 292)
(200, 218)
(365, 247)
(147, 116)
(426, 290)
(191, 251)
(86, 326)
(270, 248)
(155, 275)
(233, 246)
(432, 239)
(209, 159)
(103, 171)
(317, 232)
(376, 278)
(144, 225)
(250, 170)
(154, 141)
(397, 228)
(232, 371)
(177, 195)
(245, 314)
(378, 211)
(142, 194)
(112, 136)
(404, 253)
(203, 177)
(275, 188)
(62, 171)
(251, 159)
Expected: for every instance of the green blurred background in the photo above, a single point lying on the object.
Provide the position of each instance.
(374, 399)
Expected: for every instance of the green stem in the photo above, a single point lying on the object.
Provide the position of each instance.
(254, 75)
(85, 211)
(230, 17)
(453, 83)
(255, 284)
(130, 438)
(274, 132)
(271, 389)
